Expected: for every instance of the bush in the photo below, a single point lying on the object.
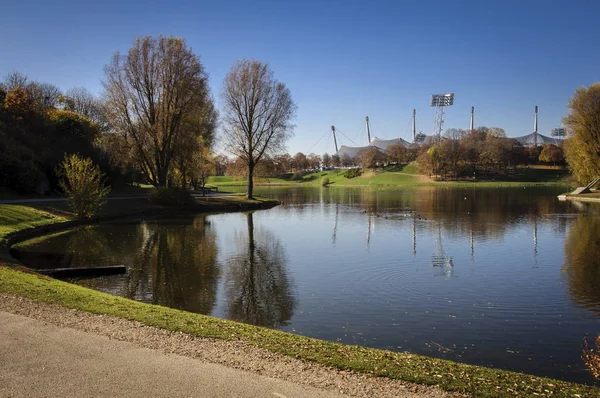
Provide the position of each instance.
(324, 181)
(83, 183)
(171, 196)
(351, 173)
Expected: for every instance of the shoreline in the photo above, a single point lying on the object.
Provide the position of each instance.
(409, 368)
(231, 354)
(579, 198)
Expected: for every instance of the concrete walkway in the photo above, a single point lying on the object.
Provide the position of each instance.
(38, 359)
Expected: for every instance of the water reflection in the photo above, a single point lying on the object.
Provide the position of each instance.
(259, 290)
(582, 261)
(171, 262)
(479, 214)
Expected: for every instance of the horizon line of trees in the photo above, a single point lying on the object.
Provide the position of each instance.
(484, 151)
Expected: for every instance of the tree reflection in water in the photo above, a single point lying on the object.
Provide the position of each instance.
(582, 261)
(259, 290)
(171, 262)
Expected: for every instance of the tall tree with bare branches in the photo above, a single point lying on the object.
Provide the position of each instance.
(257, 114)
(149, 93)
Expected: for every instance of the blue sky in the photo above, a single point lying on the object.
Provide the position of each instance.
(342, 60)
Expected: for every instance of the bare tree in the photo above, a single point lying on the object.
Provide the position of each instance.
(149, 93)
(326, 160)
(314, 161)
(80, 100)
(335, 160)
(45, 95)
(257, 110)
(15, 80)
(301, 161)
(192, 156)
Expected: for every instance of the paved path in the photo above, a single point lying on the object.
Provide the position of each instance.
(38, 359)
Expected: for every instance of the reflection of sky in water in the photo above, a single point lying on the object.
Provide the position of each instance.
(472, 275)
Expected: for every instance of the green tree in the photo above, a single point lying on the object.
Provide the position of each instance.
(582, 149)
(83, 183)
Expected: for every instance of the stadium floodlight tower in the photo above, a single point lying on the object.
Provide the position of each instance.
(440, 102)
(334, 140)
(558, 132)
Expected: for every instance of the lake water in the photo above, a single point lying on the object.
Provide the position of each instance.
(506, 278)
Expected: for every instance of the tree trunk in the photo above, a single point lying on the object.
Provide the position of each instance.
(183, 176)
(250, 181)
(162, 180)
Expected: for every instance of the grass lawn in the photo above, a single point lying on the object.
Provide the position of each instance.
(451, 376)
(17, 217)
(220, 181)
(401, 176)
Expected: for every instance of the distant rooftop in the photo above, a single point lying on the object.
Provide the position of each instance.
(378, 143)
(529, 140)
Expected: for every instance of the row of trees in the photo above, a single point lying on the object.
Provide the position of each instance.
(484, 151)
(279, 164)
(478, 152)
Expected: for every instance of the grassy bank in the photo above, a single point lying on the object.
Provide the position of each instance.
(400, 177)
(19, 217)
(14, 218)
(451, 376)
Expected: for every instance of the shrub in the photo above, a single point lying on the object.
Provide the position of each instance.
(351, 173)
(83, 183)
(171, 196)
(325, 181)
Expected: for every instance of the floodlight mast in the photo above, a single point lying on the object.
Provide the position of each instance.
(558, 132)
(414, 124)
(368, 130)
(334, 140)
(440, 102)
(535, 127)
(472, 119)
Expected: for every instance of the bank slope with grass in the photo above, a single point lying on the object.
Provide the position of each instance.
(451, 376)
(14, 218)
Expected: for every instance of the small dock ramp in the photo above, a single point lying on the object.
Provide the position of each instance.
(586, 189)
